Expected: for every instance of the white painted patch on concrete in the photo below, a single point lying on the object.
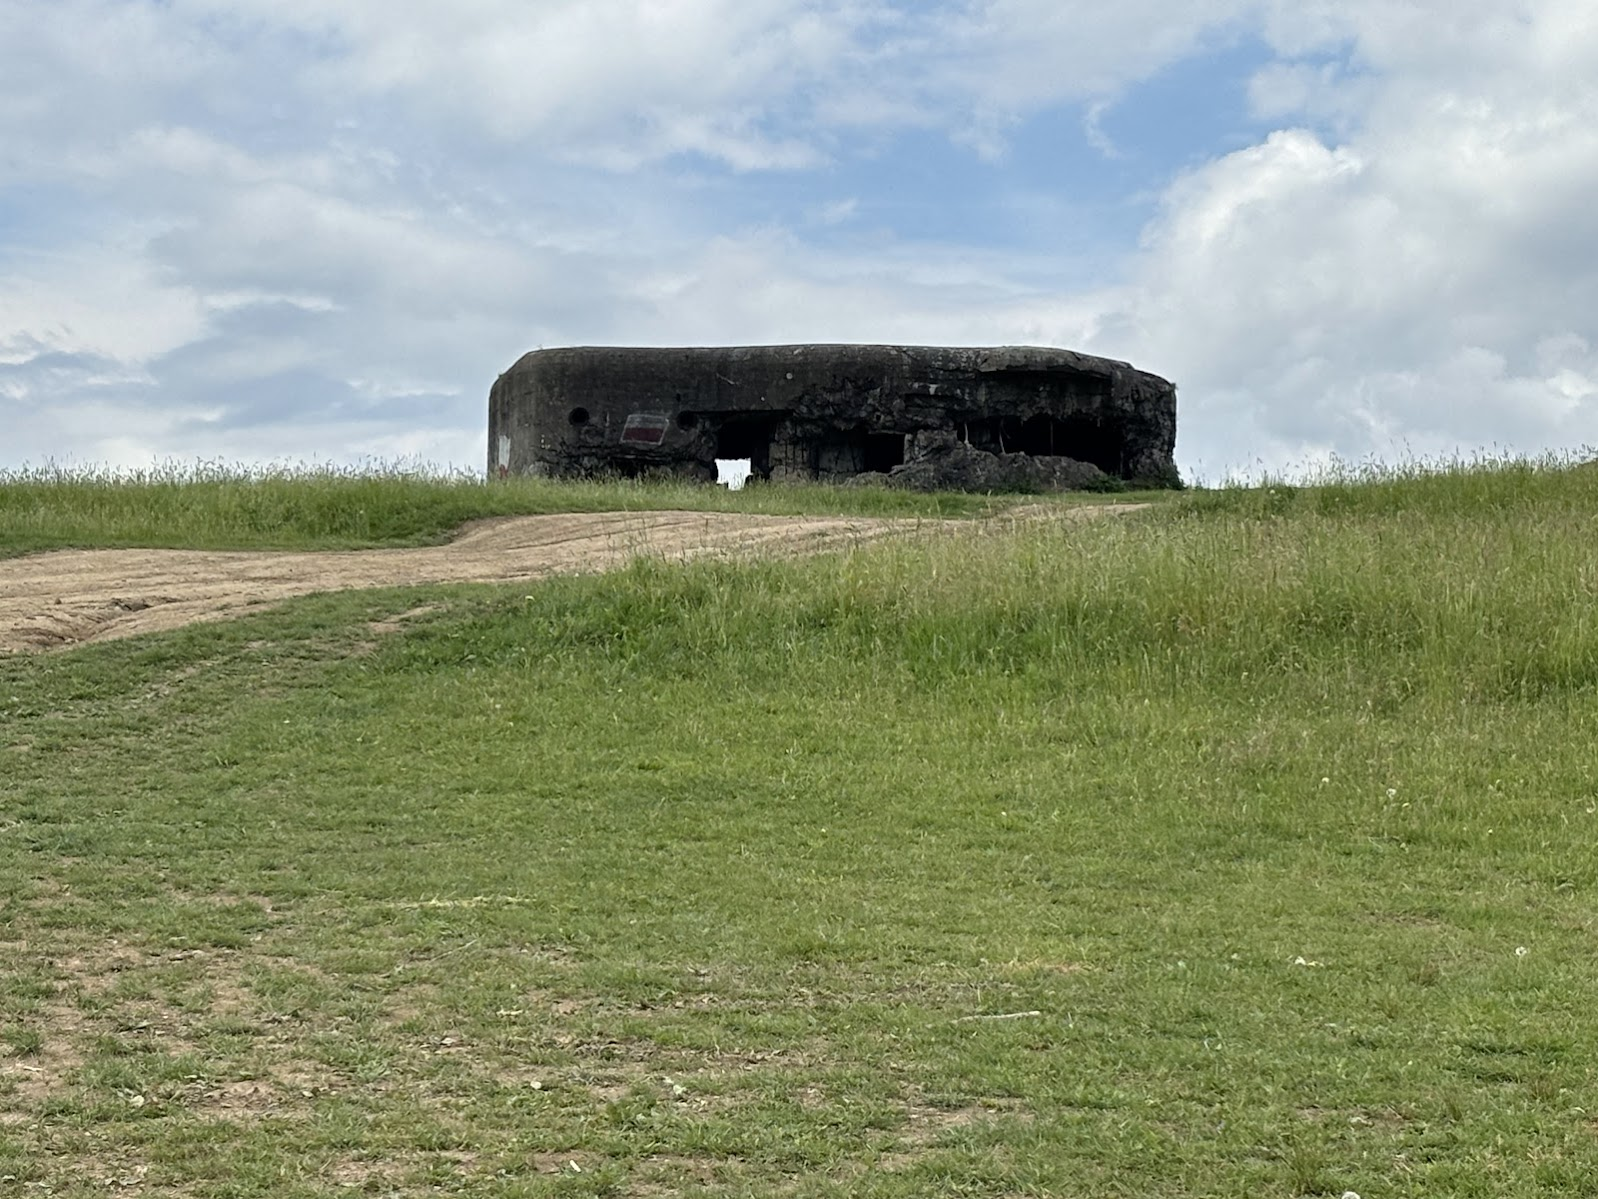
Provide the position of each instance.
(504, 452)
(734, 472)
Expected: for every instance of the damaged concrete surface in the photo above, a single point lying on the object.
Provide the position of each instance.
(1011, 418)
(942, 462)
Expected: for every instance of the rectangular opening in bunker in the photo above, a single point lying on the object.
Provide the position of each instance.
(884, 451)
(1085, 436)
(846, 452)
(747, 437)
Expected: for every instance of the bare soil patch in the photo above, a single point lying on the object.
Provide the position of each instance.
(72, 597)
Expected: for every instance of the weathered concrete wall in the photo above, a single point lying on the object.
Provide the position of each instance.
(823, 411)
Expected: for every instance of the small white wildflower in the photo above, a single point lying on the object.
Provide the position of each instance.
(1324, 781)
(1392, 793)
(1350, 1195)
(1521, 951)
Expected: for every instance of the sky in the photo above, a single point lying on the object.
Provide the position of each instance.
(315, 231)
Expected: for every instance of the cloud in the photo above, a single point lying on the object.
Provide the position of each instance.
(263, 227)
(1015, 56)
(99, 298)
(1424, 284)
(616, 82)
(755, 84)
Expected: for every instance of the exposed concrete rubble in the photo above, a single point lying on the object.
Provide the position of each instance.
(940, 461)
(997, 419)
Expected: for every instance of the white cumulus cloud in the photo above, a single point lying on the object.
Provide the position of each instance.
(276, 227)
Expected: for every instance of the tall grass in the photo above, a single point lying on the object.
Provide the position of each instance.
(1470, 585)
(216, 506)
(1451, 485)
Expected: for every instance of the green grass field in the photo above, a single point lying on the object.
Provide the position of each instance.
(1244, 846)
(218, 507)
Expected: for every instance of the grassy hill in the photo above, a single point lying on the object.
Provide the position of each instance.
(218, 507)
(1243, 846)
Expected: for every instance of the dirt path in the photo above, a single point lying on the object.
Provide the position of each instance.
(70, 597)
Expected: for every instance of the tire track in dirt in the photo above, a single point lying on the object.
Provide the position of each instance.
(64, 598)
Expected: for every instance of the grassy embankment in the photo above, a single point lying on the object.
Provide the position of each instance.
(210, 507)
(1267, 816)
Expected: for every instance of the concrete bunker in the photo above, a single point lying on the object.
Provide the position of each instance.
(1002, 418)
